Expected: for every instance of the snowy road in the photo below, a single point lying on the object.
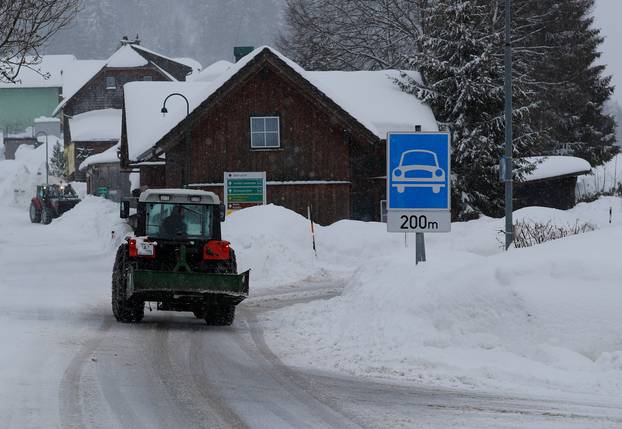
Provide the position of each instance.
(65, 363)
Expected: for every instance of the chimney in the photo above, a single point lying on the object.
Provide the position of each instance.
(126, 41)
(240, 52)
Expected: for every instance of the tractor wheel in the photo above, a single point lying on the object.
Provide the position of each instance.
(124, 310)
(220, 315)
(46, 216)
(35, 213)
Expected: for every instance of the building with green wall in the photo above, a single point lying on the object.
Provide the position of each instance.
(36, 93)
(20, 106)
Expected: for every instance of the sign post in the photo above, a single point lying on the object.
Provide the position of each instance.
(244, 189)
(418, 185)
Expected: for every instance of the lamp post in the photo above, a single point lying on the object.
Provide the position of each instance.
(47, 165)
(187, 136)
(508, 125)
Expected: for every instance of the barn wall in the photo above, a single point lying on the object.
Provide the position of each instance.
(558, 193)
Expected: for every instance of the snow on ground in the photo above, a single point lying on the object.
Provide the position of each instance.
(539, 319)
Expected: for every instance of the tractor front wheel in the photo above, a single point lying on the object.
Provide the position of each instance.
(125, 310)
(220, 315)
(46, 216)
(35, 213)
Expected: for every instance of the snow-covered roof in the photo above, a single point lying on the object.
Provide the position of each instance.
(190, 62)
(76, 76)
(125, 56)
(45, 119)
(372, 98)
(211, 72)
(96, 125)
(54, 65)
(80, 73)
(554, 166)
(106, 157)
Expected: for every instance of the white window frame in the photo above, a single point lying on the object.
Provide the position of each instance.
(113, 80)
(264, 132)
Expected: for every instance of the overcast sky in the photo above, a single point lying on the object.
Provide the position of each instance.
(608, 14)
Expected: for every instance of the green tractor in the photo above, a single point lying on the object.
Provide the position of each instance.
(176, 259)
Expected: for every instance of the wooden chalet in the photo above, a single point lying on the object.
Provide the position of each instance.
(93, 96)
(319, 136)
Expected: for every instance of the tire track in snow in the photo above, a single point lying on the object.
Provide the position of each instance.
(70, 397)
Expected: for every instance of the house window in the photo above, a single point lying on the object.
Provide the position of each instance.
(111, 83)
(147, 78)
(265, 132)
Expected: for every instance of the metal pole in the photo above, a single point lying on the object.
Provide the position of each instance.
(47, 164)
(419, 247)
(508, 123)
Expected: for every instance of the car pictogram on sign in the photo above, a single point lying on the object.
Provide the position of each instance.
(418, 168)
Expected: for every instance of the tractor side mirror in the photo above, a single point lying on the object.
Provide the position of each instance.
(223, 212)
(124, 209)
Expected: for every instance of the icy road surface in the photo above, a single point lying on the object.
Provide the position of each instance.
(65, 363)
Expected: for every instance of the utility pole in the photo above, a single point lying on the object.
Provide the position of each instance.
(508, 124)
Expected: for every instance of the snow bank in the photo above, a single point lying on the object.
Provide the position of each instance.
(95, 219)
(542, 318)
(19, 177)
(272, 241)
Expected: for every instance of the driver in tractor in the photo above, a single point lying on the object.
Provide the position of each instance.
(174, 224)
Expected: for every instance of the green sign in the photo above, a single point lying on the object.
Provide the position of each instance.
(244, 189)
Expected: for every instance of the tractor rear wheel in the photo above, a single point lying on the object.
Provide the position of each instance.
(125, 310)
(46, 216)
(220, 315)
(35, 213)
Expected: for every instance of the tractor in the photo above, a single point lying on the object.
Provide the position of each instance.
(51, 201)
(176, 258)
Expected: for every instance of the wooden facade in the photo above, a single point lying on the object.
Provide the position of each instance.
(96, 95)
(326, 160)
(108, 176)
(555, 192)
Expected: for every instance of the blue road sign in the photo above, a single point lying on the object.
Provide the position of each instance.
(418, 171)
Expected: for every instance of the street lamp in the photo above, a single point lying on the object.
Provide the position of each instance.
(47, 166)
(187, 137)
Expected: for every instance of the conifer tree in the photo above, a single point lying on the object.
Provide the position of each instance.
(58, 162)
(576, 90)
(461, 61)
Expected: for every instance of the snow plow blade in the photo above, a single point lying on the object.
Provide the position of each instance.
(148, 283)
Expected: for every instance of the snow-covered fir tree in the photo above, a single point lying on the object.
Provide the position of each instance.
(58, 164)
(461, 61)
(573, 114)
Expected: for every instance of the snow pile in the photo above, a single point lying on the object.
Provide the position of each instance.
(272, 241)
(542, 318)
(95, 219)
(19, 178)
(602, 179)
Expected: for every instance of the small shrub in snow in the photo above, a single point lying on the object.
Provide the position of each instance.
(527, 234)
